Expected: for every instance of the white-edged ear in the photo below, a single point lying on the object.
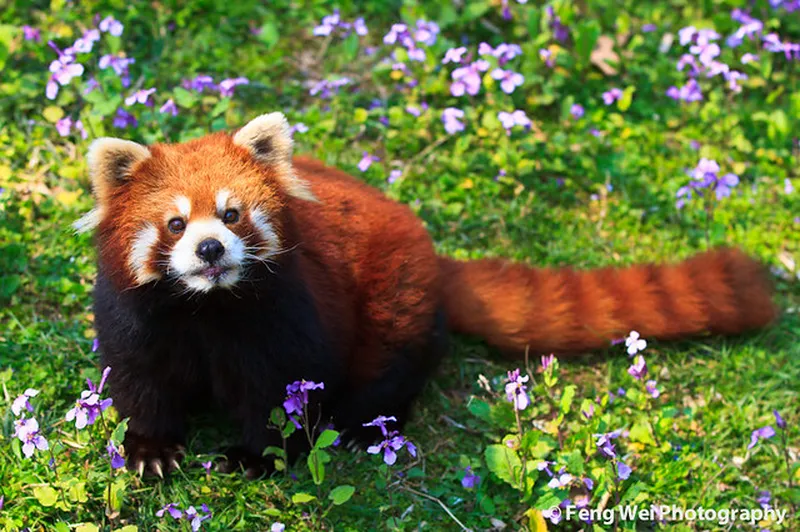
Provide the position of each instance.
(110, 163)
(269, 140)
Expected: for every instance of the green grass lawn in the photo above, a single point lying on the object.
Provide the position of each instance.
(587, 189)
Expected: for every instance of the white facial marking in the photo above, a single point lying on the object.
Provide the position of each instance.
(184, 206)
(222, 199)
(192, 270)
(271, 242)
(141, 253)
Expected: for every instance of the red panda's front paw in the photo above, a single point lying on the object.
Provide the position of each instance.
(152, 456)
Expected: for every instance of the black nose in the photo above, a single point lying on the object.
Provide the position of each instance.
(210, 250)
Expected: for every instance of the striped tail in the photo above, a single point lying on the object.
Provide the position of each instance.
(514, 307)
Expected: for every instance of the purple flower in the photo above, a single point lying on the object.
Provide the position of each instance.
(119, 64)
(426, 32)
(277, 527)
(95, 345)
(576, 111)
(123, 119)
(31, 34)
(226, 86)
(724, 184)
(63, 70)
(207, 466)
(506, 52)
(394, 175)
(111, 25)
(638, 369)
(544, 465)
(117, 461)
(604, 443)
(560, 31)
(298, 128)
(297, 395)
(468, 78)
(2, 501)
(547, 56)
(547, 361)
(650, 386)
(762, 433)
(454, 55)
(450, 117)
(470, 479)
(66, 125)
(390, 445)
(589, 483)
(634, 343)
(199, 83)
(169, 107)
(623, 471)
(327, 87)
(22, 402)
(196, 518)
(140, 96)
(360, 27)
(588, 414)
(516, 391)
(172, 509)
(612, 95)
(509, 80)
(328, 24)
(85, 43)
(562, 480)
(733, 78)
(763, 499)
(89, 406)
(27, 431)
(380, 422)
(779, 420)
(366, 161)
(649, 28)
(553, 514)
(705, 53)
(690, 92)
(516, 118)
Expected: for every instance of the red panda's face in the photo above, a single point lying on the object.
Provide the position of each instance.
(198, 214)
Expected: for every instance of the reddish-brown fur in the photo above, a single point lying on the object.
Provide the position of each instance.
(561, 310)
(377, 281)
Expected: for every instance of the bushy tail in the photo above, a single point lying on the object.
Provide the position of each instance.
(513, 306)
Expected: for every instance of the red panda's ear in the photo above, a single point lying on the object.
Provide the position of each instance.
(110, 162)
(269, 139)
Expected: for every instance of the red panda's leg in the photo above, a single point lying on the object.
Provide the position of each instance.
(392, 392)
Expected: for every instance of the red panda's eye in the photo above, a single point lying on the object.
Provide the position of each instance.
(230, 216)
(176, 225)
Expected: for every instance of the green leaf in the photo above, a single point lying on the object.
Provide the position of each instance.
(326, 439)
(624, 102)
(302, 498)
(278, 416)
(46, 495)
(220, 107)
(475, 9)
(566, 398)
(641, 432)
(118, 436)
(341, 494)
(288, 430)
(547, 501)
(316, 461)
(53, 113)
(272, 450)
(87, 527)
(360, 115)
(504, 463)
(127, 528)
(185, 98)
(269, 33)
(350, 47)
(585, 39)
(480, 409)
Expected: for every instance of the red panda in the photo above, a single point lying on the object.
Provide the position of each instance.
(227, 269)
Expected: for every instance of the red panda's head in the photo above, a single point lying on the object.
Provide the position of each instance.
(197, 214)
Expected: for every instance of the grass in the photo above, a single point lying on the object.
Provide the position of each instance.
(553, 207)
